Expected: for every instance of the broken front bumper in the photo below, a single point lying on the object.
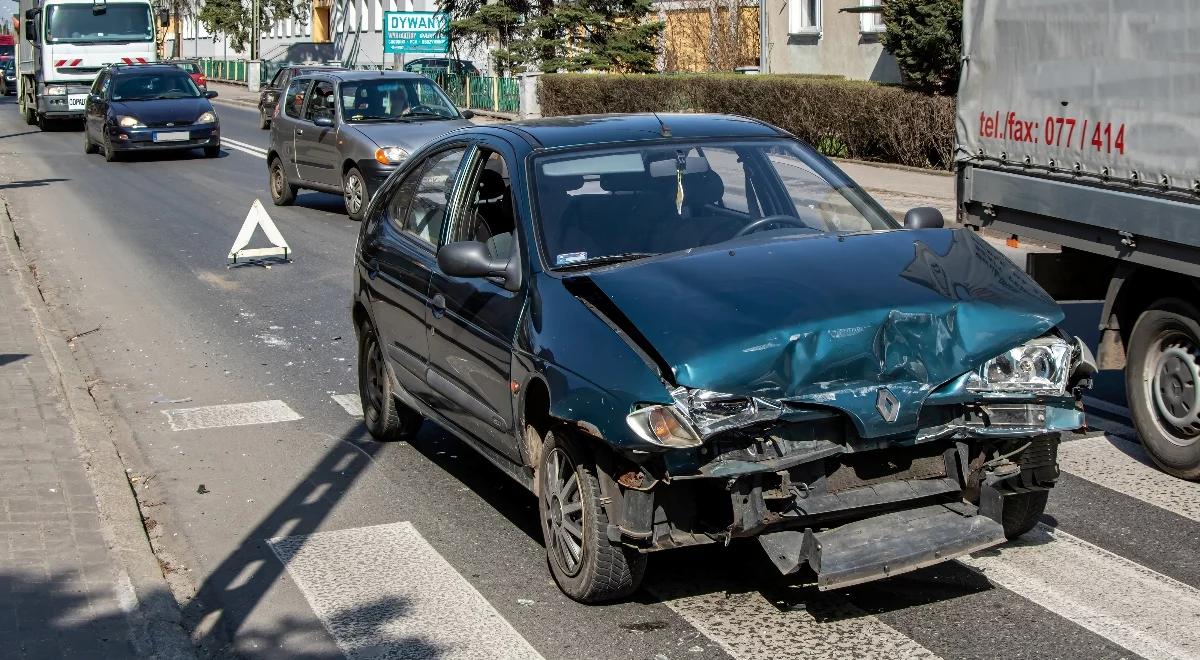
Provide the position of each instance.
(852, 509)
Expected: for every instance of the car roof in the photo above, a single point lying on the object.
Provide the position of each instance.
(347, 74)
(578, 130)
(157, 67)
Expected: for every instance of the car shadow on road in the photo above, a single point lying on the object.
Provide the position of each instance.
(218, 611)
(9, 358)
(319, 201)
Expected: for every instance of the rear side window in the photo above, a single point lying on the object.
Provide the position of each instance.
(321, 101)
(294, 98)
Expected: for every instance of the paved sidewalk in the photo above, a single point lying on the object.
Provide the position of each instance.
(64, 590)
(902, 188)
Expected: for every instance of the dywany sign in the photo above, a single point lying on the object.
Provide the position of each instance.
(416, 32)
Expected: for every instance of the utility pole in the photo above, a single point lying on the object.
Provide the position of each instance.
(254, 30)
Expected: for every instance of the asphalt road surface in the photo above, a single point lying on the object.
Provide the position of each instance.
(289, 533)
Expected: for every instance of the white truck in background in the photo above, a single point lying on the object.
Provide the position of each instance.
(64, 43)
(1079, 125)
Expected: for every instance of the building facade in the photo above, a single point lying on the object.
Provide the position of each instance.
(815, 36)
(343, 30)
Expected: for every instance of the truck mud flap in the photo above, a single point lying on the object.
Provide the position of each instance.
(883, 546)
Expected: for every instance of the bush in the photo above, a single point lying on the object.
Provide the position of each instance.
(855, 119)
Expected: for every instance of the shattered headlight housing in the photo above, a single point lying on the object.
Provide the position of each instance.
(698, 415)
(1040, 366)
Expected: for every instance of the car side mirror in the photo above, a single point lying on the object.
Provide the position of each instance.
(924, 217)
(467, 114)
(324, 121)
(471, 259)
(30, 30)
(210, 94)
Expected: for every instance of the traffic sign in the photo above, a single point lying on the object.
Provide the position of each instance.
(416, 32)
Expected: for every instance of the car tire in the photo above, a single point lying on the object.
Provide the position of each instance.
(1022, 512)
(264, 122)
(89, 147)
(212, 152)
(386, 419)
(110, 154)
(587, 566)
(30, 114)
(354, 193)
(1162, 380)
(283, 193)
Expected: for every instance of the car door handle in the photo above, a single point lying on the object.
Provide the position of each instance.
(439, 306)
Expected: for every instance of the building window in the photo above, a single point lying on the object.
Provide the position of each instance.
(804, 17)
(871, 22)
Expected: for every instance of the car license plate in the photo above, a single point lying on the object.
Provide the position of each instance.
(77, 101)
(174, 136)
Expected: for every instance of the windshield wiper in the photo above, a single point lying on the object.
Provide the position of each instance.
(607, 259)
(373, 118)
(426, 114)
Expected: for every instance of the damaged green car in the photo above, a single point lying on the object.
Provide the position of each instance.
(689, 329)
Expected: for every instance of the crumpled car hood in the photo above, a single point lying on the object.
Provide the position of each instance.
(829, 320)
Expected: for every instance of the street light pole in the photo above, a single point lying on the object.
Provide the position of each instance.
(254, 31)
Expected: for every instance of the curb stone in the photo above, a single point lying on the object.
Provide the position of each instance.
(156, 630)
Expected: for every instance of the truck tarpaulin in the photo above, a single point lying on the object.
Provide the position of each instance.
(1105, 89)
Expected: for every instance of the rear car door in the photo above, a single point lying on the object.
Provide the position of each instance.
(316, 146)
(399, 253)
(283, 128)
(473, 320)
(270, 95)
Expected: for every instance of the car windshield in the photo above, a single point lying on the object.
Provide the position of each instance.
(80, 23)
(605, 205)
(394, 99)
(165, 85)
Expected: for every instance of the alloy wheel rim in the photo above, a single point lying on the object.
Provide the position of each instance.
(277, 180)
(353, 193)
(1174, 388)
(562, 513)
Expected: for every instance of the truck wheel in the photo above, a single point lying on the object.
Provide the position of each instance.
(1162, 380)
(587, 566)
(30, 114)
(1022, 512)
(386, 419)
(283, 193)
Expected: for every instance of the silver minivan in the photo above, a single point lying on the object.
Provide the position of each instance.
(345, 131)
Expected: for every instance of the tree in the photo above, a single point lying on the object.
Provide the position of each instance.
(233, 17)
(925, 36)
(568, 35)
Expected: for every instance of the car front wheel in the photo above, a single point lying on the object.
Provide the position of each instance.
(354, 191)
(587, 566)
(89, 147)
(386, 419)
(264, 122)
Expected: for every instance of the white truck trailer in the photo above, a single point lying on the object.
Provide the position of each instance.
(1079, 125)
(64, 43)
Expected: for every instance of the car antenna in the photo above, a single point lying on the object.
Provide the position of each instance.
(662, 126)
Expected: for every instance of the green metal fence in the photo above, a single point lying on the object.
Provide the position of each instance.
(227, 70)
(494, 94)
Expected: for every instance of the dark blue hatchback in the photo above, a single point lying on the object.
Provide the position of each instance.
(149, 107)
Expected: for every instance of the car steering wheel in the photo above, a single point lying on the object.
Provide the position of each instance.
(419, 108)
(770, 220)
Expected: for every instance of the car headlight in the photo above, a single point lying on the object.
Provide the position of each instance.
(663, 425)
(390, 155)
(56, 90)
(126, 121)
(206, 118)
(1039, 366)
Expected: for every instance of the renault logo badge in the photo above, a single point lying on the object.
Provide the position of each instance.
(888, 405)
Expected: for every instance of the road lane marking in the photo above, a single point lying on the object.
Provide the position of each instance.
(1128, 604)
(749, 627)
(1123, 466)
(384, 592)
(233, 414)
(244, 147)
(350, 403)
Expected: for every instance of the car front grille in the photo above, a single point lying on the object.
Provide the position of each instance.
(850, 471)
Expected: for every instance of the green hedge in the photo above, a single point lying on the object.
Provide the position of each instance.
(853, 119)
